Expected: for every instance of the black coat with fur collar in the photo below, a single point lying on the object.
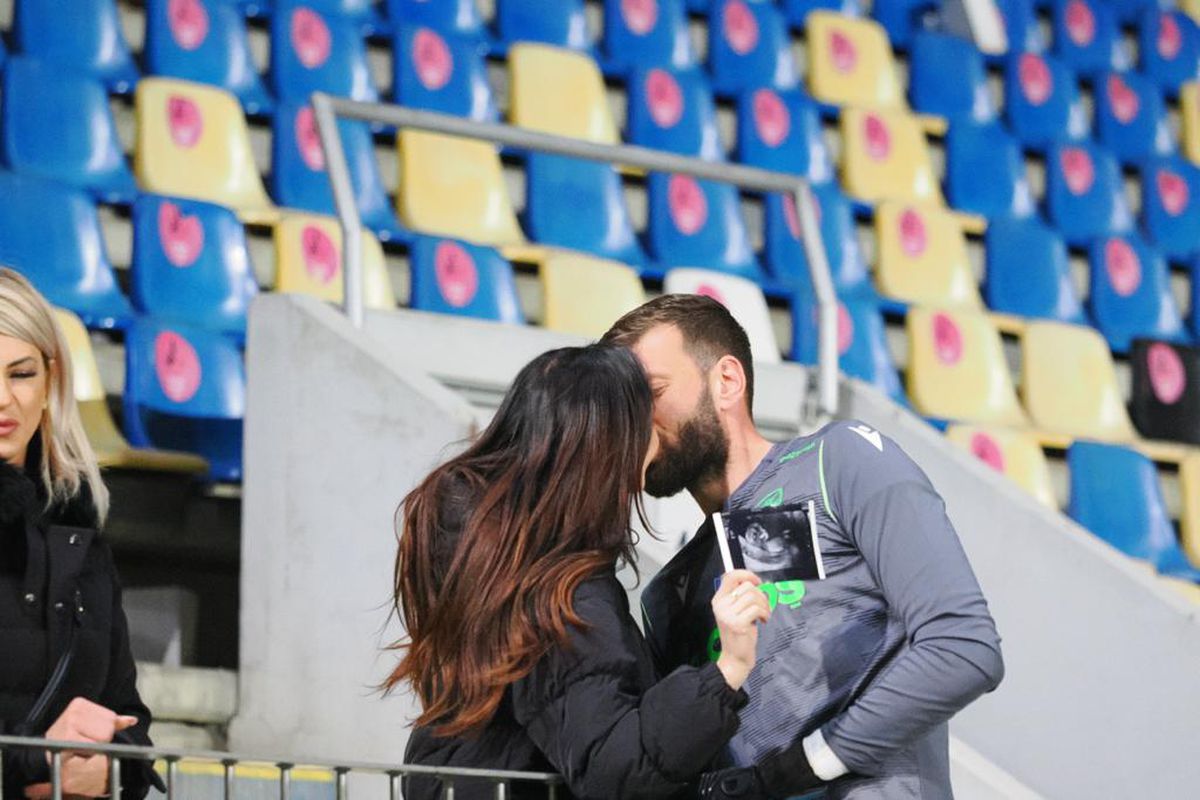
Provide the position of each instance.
(56, 572)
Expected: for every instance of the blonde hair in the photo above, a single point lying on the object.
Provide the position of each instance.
(68, 460)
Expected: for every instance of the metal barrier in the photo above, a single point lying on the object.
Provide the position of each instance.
(327, 109)
(501, 779)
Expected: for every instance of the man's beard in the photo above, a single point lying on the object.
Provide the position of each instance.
(697, 456)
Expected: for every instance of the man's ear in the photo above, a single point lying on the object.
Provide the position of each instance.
(728, 384)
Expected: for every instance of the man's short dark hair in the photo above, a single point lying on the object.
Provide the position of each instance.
(709, 331)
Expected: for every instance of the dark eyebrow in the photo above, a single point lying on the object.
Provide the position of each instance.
(22, 361)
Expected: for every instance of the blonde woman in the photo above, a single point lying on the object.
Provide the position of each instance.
(66, 671)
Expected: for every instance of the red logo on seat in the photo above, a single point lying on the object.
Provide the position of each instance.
(310, 38)
(708, 290)
(432, 59)
(184, 121)
(177, 366)
(792, 215)
(180, 235)
(1123, 267)
(842, 52)
(771, 118)
(640, 15)
(1081, 23)
(1124, 101)
(308, 140)
(987, 450)
(664, 98)
(1168, 378)
(913, 238)
(1170, 38)
(457, 276)
(845, 329)
(740, 27)
(321, 259)
(879, 139)
(188, 21)
(688, 205)
(1077, 169)
(1037, 84)
(947, 340)
(1172, 191)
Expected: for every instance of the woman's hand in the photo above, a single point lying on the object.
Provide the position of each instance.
(83, 774)
(739, 606)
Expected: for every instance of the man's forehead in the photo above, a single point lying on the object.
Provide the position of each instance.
(664, 340)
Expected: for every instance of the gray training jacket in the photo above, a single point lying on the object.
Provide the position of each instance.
(880, 654)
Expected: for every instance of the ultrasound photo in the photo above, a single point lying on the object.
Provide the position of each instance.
(774, 543)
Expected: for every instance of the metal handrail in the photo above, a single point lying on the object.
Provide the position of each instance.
(229, 761)
(327, 109)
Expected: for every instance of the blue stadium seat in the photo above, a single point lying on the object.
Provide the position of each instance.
(453, 277)
(58, 124)
(1021, 25)
(1041, 101)
(1169, 49)
(903, 18)
(862, 341)
(313, 51)
(50, 232)
(191, 264)
(985, 172)
(781, 131)
(673, 110)
(448, 16)
(86, 39)
(784, 249)
(362, 12)
(1086, 36)
(796, 10)
(1128, 12)
(646, 33)
(1085, 195)
(697, 223)
(204, 41)
(1116, 495)
(185, 389)
(1130, 119)
(1131, 293)
(1028, 271)
(1171, 206)
(1164, 404)
(298, 175)
(443, 73)
(556, 22)
(749, 47)
(579, 205)
(948, 77)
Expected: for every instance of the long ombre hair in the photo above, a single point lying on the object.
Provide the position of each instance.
(494, 542)
(67, 458)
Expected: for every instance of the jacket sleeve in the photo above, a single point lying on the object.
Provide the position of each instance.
(584, 708)
(952, 653)
(20, 768)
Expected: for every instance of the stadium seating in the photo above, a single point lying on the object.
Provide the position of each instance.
(1171, 205)
(784, 249)
(584, 295)
(885, 155)
(957, 370)
(50, 232)
(459, 17)
(698, 223)
(439, 72)
(1130, 120)
(204, 41)
(191, 264)
(1115, 493)
(84, 151)
(313, 51)
(1086, 36)
(1189, 481)
(902, 19)
(1028, 272)
(922, 256)
(646, 33)
(559, 91)
(742, 297)
(749, 47)
(1015, 454)
(1165, 400)
(363, 12)
(781, 131)
(1041, 101)
(299, 179)
(561, 23)
(1189, 120)
(985, 172)
(92, 44)
(1069, 384)
(862, 341)
(673, 110)
(1085, 196)
(452, 277)
(185, 389)
(1131, 293)
(192, 141)
(1129, 11)
(454, 187)
(797, 11)
(308, 260)
(1169, 49)
(850, 62)
(948, 77)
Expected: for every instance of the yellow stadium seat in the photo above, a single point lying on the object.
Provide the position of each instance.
(192, 142)
(885, 155)
(1014, 453)
(1191, 8)
(1069, 383)
(584, 295)
(923, 256)
(957, 370)
(1189, 489)
(1189, 113)
(850, 62)
(308, 260)
(112, 450)
(454, 187)
(743, 298)
(559, 91)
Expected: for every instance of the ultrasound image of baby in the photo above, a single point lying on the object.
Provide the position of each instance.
(764, 551)
(773, 543)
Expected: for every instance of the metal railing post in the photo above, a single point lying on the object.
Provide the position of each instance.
(114, 777)
(347, 208)
(56, 789)
(827, 302)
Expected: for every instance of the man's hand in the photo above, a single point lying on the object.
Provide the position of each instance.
(83, 774)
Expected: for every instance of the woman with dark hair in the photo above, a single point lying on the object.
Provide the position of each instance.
(520, 643)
